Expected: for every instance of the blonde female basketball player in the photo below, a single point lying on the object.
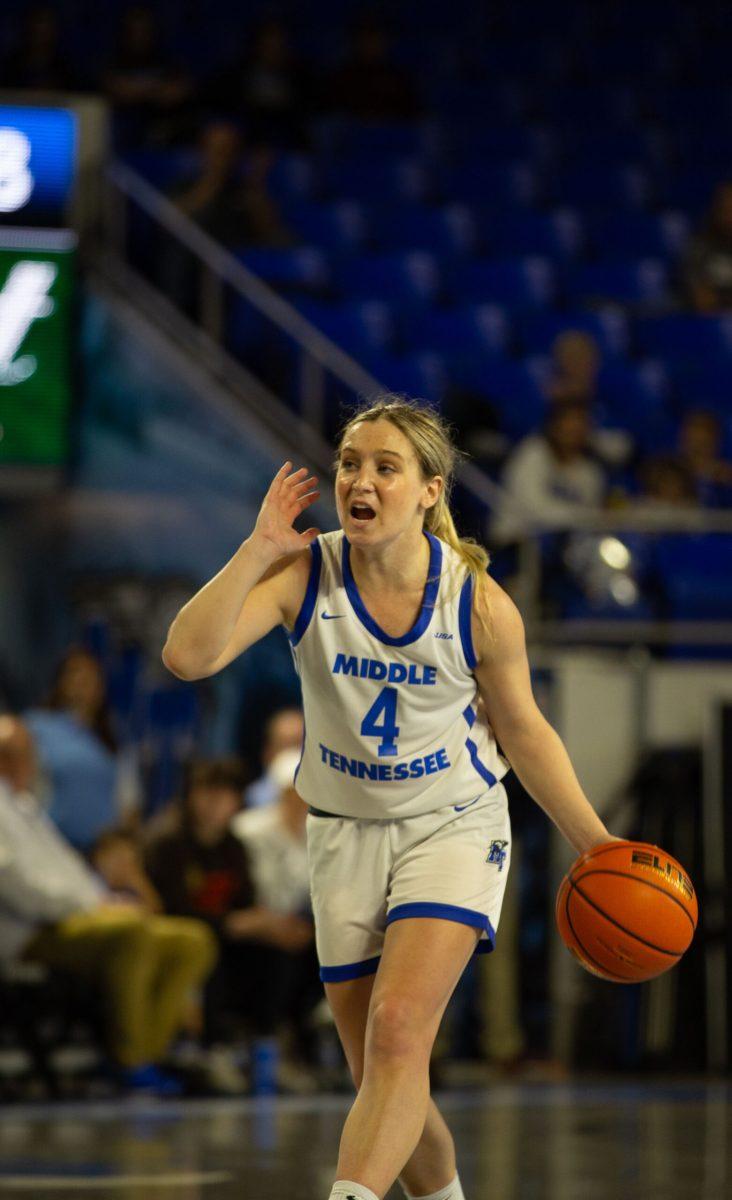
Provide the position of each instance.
(397, 631)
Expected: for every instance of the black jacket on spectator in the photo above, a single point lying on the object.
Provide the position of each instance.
(194, 880)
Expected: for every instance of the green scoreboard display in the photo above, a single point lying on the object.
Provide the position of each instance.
(37, 337)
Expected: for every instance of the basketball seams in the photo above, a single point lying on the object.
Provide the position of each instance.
(608, 974)
(638, 879)
(675, 954)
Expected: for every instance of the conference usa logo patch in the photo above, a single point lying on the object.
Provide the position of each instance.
(497, 854)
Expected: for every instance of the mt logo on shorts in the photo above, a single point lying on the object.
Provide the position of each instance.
(497, 854)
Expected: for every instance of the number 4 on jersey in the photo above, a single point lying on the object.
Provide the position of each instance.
(388, 730)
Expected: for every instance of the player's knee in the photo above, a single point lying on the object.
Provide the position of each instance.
(393, 1030)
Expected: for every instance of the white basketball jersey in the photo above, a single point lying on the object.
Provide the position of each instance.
(390, 725)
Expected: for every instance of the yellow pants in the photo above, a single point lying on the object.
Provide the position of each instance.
(145, 966)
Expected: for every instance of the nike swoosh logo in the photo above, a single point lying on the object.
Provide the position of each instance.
(464, 806)
(332, 616)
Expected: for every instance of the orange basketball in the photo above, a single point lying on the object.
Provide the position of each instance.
(627, 911)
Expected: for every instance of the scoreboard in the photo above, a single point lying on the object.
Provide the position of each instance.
(39, 182)
(37, 342)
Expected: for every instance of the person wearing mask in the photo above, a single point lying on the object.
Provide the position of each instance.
(56, 911)
(284, 730)
(93, 784)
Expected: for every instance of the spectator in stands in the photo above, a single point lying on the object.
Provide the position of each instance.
(38, 61)
(284, 730)
(667, 486)
(700, 448)
(229, 198)
(265, 90)
(150, 93)
(201, 869)
(708, 266)
(117, 859)
(275, 841)
(93, 785)
(575, 379)
(368, 85)
(54, 910)
(551, 477)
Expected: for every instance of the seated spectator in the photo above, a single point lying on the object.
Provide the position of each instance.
(150, 93)
(368, 85)
(54, 910)
(93, 785)
(201, 869)
(265, 90)
(284, 730)
(229, 196)
(38, 61)
(667, 487)
(275, 841)
(700, 449)
(576, 363)
(551, 477)
(707, 269)
(117, 859)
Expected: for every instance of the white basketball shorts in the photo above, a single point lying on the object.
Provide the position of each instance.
(365, 873)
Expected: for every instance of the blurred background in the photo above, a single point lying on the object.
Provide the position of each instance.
(221, 225)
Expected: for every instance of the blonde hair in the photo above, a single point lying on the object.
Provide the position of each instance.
(436, 454)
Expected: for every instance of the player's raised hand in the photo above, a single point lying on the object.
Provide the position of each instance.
(290, 493)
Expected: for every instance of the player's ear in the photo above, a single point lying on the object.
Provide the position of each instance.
(432, 491)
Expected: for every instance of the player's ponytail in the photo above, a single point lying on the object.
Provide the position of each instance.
(437, 454)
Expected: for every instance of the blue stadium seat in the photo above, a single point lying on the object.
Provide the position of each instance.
(165, 168)
(448, 230)
(376, 178)
(421, 376)
(555, 234)
(371, 139)
(475, 329)
(487, 101)
(634, 282)
(412, 277)
(635, 396)
(498, 144)
(686, 336)
(599, 105)
(297, 267)
(692, 190)
(361, 329)
(634, 234)
(703, 384)
(292, 176)
(601, 186)
(615, 145)
(477, 181)
(519, 283)
(516, 390)
(339, 226)
(609, 326)
(695, 573)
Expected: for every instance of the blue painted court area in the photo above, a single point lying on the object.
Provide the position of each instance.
(604, 1140)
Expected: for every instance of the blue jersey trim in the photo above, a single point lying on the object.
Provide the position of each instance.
(428, 601)
(448, 912)
(479, 766)
(311, 595)
(357, 970)
(465, 608)
(487, 946)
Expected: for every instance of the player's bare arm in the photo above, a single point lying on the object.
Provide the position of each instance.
(533, 748)
(261, 586)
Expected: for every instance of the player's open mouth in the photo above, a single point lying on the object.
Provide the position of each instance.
(362, 512)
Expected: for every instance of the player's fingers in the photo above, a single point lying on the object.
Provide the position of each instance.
(296, 477)
(305, 501)
(309, 536)
(278, 480)
(307, 485)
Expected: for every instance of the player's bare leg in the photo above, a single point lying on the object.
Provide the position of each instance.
(410, 994)
(432, 1165)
